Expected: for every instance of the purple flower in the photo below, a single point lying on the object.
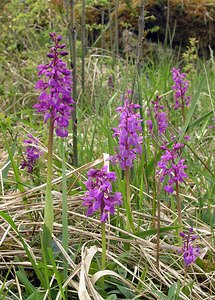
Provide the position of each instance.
(128, 135)
(190, 253)
(55, 99)
(180, 88)
(160, 117)
(99, 195)
(31, 155)
(187, 138)
(172, 167)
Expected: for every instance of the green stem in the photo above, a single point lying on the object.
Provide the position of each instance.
(158, 233)
(116, 42)
(158, 192)
(64, 208)
(141, 26)
(153, 209)
(48, 211)
(185, 275)
(104, 249)
(129, 221)
(183, 112)
(103, 246)
(154, 192)
(72, 40)
(179, 214)
(83, 45)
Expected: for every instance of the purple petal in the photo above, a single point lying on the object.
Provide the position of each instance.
(169, 189)
(61, 132)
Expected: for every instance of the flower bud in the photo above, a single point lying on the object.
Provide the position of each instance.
(63, 53)
(50, 55)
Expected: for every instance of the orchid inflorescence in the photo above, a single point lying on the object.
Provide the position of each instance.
(55, 99)
(189, 252)
(172, 166)
(32, 153)
(160, 117)
(180, 88)
(128, 135)
(99, 195)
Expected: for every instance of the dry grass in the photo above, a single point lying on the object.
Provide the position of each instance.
(85, 241)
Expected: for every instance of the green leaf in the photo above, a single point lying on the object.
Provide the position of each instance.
(200, 119)
(172, 291)
(36, 296)
(24, 280)
(149, 232)
(112, 297)
(199, 262)
(187, 289)
(121, 271)
(154, 231)
(142, 277)
(160, 294)
(126, 292)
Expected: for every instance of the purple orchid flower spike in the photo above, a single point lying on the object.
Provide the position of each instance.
(55, 100)
(128, 135)
(189, 252)
(180, 88)
(160, 118)
(32, 154)
(172, 167)
(99, 195)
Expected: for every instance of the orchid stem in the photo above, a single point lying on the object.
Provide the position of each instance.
(185, 275)
(158, 232)
(103, 246)
(183, 112)
(48, 210)
(64, 208)
(129, 221)
(104, 249)
(179, 214)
